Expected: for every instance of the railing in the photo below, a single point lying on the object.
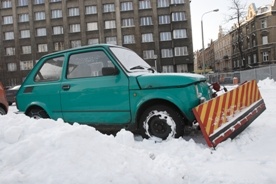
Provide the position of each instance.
(241, 76)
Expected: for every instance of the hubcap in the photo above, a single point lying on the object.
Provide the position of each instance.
(159, 124)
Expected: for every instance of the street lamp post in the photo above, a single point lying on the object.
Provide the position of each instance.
(202, 35)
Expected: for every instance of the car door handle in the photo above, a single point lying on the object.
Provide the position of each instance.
(66, 87)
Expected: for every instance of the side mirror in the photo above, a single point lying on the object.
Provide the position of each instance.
(109, 71)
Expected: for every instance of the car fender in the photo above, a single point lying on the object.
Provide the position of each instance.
(52, 115)
(162, 96)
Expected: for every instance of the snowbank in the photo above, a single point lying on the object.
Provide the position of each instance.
(53, 152)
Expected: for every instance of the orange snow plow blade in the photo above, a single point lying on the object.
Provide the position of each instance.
(227, 115)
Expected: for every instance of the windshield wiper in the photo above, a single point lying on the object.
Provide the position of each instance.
(137, 67)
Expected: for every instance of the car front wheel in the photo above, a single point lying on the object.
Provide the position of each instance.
(37, 113)
(161, 121)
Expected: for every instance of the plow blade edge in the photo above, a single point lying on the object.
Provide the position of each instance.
(229, 114)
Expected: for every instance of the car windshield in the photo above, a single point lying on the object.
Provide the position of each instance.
(130, 60)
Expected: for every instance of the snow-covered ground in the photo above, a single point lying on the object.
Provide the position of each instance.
(53, 152)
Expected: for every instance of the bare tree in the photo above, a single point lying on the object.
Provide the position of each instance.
(237, 14)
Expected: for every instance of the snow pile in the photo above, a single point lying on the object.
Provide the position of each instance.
(53, 152)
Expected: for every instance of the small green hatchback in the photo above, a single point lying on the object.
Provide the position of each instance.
(110, 88)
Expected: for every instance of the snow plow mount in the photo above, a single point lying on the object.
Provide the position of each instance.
(227, 115)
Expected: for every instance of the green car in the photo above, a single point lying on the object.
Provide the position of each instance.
(110, 87)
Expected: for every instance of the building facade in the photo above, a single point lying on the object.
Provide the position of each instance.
(158, 30)
(258, 38)
(258, 43)
(223, 52)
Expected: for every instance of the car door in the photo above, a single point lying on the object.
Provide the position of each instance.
(88, 96)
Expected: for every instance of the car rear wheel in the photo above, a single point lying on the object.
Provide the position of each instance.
(37, 113)
(2, 111)
(161, 121)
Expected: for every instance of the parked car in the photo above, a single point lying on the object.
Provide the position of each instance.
(3, 101)
(11, 94)
(111, 87)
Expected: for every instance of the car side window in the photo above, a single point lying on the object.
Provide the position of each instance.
(50, 70)
(87, 64)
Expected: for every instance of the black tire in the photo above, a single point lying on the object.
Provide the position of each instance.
(2, 111)
(161, 121)
(37, 113)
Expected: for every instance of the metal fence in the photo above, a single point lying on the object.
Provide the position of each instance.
(241, 76)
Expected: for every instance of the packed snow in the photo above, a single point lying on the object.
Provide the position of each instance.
(53, 152)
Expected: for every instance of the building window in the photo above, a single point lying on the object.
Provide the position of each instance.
(179, 33)
(90, 10)
(145, 21)
(74, 28)
(128, 22)
(148, 54)
(42, 48)
(75, 43)
(7, 20)
(111, 40)
(167, 69)
(265, 40)
(25, 34)
(144, 4)
(57, 30)
(26, 49)
(164, 19)
(181, 51)
(22, 2)
(249, 60)
(126, 6)
(38, 1)
(92, 26)
(163, 3)
(263, 23)
(148, 37)
(26, 65)
(53, 1)
(9, 35)
(182, 68)
(93, 41)
(41, 32)
(12, 67)
(129, 39)
(255, 58)
(166, 53)
(73, 12)
(58, 46)
(177, 1)
(110, 24)
(56, 14)
(108, 8)
(10, 51)
(253, 42)
(265, 56)
(178, 16)
(165, 36)
(39, 15)
(6, 4)
(23, 17)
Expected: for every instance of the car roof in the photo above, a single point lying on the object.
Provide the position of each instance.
(103, 45)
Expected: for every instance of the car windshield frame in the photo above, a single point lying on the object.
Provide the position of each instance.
(130, 60)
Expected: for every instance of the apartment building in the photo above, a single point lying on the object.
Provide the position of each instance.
(222, 52)
(258, 38)
(158, 30)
